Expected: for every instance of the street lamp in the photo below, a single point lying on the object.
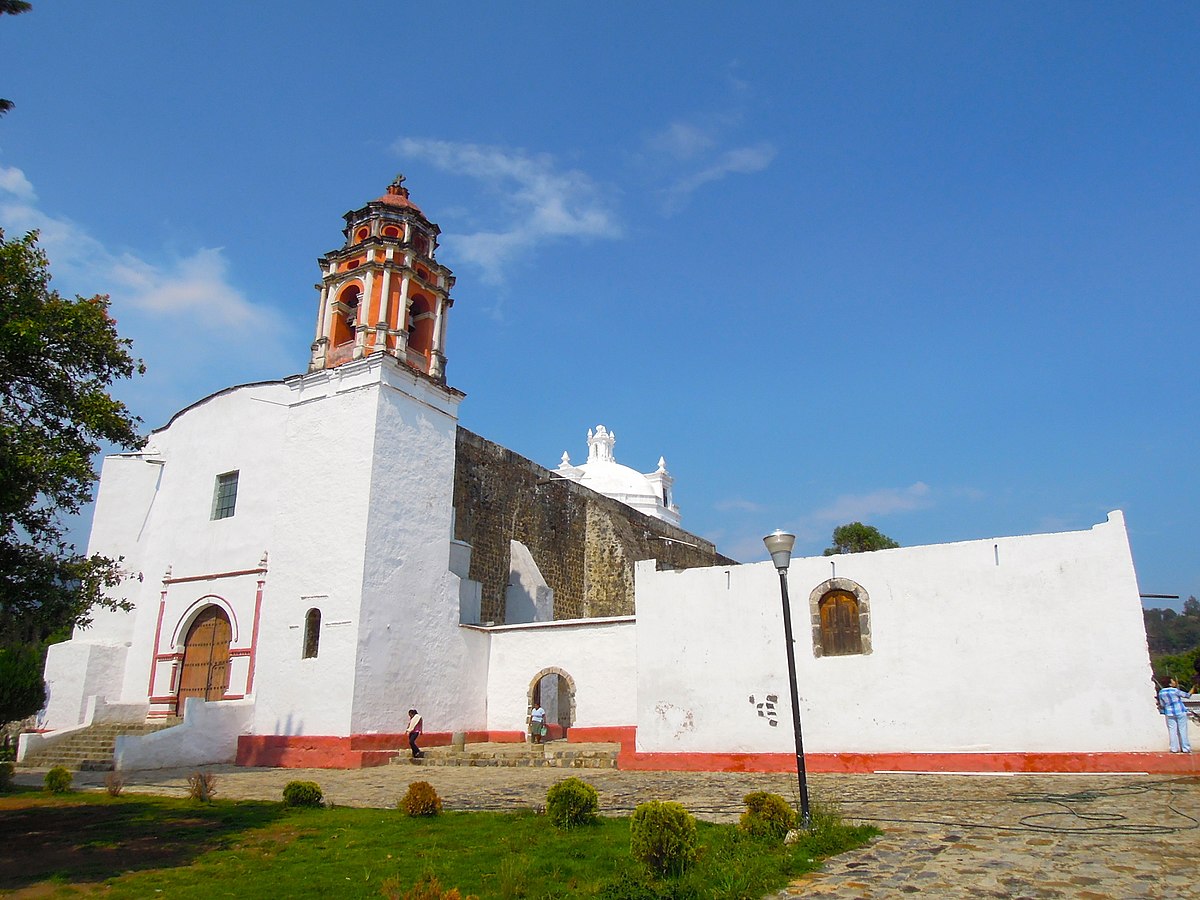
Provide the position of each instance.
(779, 545)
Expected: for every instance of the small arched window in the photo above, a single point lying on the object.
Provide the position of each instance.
(312, 633)
(840, 633)
(391, 231)
(363, 233)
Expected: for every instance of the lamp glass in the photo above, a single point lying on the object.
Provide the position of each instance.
(779, 545)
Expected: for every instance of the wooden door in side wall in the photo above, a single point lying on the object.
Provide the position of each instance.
(205, 671)
(840, 634)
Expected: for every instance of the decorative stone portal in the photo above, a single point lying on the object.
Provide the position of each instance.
(554, 689)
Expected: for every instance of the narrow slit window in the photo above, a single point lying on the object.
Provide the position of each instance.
(312, 633)
(225, 495)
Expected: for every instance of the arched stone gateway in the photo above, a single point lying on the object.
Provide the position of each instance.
(205, 670)
(554, 689)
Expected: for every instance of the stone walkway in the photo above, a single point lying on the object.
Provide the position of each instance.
(953, 836)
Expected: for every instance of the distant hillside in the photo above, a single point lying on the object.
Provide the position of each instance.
(1170, 632)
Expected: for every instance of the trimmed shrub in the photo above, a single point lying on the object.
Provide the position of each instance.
(572, 802)
(767, 815)
(663, 836)
(114, 784)
(6, 776)
(202, 786)
(421, 800)
(58, 780)
(302, 793)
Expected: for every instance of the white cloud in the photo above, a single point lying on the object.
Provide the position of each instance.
(681, 140)
(539, 200)
(194, 286)
(738, 161)
(195, 329)
(740, 505)
(14, 182)
(862, 507)
(689, 154)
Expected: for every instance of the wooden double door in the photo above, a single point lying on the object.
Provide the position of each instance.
(205, 671)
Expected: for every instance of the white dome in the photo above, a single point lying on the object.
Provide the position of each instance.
(612, 478)
(650, 494)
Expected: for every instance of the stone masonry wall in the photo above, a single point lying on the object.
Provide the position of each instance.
(584, 543)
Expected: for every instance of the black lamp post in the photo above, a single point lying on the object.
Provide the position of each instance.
(779, 545)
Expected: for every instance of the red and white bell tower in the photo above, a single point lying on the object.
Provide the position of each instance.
(384, 292)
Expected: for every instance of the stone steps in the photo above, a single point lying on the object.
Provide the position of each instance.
(556, 754)
(91, 750)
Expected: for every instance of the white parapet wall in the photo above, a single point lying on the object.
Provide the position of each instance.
(97, 711)
(208, 735)
(596, 657)
(1021, 644)
(76, 672)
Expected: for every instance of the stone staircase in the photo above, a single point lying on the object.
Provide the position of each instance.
(556, 754)
(91, 749)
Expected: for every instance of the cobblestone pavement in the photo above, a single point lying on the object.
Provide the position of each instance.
(954, 836)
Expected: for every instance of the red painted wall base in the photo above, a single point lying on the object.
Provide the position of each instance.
(357, 751)
(363, 750)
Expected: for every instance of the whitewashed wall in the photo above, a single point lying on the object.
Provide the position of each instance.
(346, 484)
(411, 650)
(598, 654)
(1031, 643)
(154, 511)
(320, 501)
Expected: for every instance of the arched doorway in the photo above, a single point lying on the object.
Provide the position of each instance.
(205, 671)
(554, 690)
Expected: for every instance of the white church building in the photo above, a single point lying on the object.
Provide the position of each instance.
(308, 558)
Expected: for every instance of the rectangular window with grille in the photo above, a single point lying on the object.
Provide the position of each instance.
(225, 495)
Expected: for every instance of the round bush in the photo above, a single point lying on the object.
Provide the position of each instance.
(58, 780)
(421, 800)
(663, 836)
(572, 802)
(302, 793)
(767, 815)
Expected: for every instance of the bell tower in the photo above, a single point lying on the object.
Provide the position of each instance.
(383, 291)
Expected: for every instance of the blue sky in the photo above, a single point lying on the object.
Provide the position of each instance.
(931, 266)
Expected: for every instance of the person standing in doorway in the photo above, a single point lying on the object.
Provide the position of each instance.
(414, 731)
(537, 724)
(1170, 701)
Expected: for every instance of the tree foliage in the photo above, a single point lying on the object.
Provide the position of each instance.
(58, 359)
(22, 691)
(856, 537)
(1170, 632)
(11, 8)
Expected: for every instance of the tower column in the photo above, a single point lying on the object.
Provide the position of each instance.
(322, 309)
(381, 326)
(437, 359)
(402, 318)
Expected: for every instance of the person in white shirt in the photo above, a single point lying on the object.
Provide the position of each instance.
(414, 731)
(537, 724)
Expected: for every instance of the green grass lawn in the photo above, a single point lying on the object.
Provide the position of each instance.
(139, 846)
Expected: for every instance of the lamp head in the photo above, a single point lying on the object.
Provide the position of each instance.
(779, 545)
